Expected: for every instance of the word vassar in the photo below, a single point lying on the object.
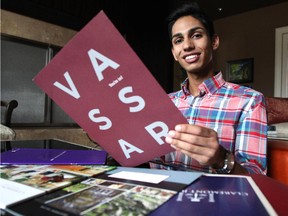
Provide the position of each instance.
(126, 147)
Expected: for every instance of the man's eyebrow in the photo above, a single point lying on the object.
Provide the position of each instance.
(190, 31)
(176, 35)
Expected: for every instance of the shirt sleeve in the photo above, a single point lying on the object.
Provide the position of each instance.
(251, 136)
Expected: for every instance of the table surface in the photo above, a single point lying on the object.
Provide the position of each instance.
(275, 191)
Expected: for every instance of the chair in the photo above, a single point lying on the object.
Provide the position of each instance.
(7, 134)
(277, 143)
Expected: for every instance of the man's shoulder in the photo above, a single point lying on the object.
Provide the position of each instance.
(242, 90)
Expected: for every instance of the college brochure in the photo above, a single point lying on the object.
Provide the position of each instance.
(106, 194)
(218, 195)
(21, 182)
(52, 156)
(100, 82)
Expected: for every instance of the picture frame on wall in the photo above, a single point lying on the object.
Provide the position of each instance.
(240, 71)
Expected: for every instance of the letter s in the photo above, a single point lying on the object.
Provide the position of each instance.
(132, 99)
(100, 119)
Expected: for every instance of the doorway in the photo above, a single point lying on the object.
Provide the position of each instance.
(281, 62)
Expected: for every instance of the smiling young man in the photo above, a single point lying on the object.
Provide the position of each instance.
(227, 122)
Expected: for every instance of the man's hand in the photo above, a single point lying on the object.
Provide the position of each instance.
(199, 143)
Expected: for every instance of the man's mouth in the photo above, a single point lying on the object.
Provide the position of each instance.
(191, 58)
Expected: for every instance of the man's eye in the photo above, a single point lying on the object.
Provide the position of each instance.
(196, 36)
(177, 41)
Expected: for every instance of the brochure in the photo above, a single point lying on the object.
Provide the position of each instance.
(218, 195)
(21, 182)
(100, 82)
(106, 194)
(52, 156)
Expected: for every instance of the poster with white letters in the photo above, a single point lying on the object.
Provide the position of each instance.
(99, 81)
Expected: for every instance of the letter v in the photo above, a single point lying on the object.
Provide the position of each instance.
(72, 90)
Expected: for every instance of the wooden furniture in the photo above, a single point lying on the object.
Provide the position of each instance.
(277, 155)
(6, 115)
(277, 144)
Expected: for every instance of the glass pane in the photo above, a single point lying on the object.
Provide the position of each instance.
(20, 62)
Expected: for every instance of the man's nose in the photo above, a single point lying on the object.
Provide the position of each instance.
(188, 44)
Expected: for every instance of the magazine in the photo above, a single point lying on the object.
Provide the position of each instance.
(110, 194)
(21, 182)
(46, 156)
(218, 195)
(97, 196)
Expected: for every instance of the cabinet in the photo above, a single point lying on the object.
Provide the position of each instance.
(277, 158)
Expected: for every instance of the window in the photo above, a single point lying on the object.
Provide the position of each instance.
(21, 61)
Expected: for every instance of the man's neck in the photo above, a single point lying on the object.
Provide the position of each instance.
(195, 81)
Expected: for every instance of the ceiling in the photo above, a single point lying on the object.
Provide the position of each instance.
(218, 9)
(75, 14)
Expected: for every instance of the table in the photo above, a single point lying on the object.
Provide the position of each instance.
(274, 191)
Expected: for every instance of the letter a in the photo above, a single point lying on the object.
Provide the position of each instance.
(72, 91)
(157, 136)
(106, 62)
(128, 148)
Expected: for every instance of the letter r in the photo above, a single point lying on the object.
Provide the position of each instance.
(157, 136)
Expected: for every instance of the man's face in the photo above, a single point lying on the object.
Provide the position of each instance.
(192, 46)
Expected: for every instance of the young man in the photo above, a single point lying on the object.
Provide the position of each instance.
(227, 122)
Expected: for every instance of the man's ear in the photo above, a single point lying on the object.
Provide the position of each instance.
(172, 50)
(215, 42)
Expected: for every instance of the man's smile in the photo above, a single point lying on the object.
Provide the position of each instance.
(191, 58)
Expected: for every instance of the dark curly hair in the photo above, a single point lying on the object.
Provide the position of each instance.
(190, 9)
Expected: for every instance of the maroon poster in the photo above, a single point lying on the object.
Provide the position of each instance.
(99, 81)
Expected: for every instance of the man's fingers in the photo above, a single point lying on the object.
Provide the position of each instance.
(174, 136)
(195, 129)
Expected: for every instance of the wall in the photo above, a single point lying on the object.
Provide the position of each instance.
(35, 30)
(245, 35)
(26, 46)
(17, 25)
(252, 35)
(142, 32)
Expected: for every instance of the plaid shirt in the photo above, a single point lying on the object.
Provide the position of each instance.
(236, 113)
